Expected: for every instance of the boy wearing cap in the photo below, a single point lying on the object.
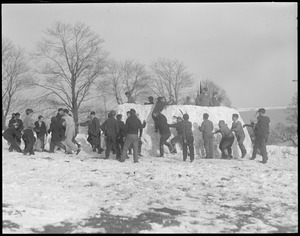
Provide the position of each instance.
(206, 129)
(28, 136)
(238, 130)
(261, 135)
(10, 135)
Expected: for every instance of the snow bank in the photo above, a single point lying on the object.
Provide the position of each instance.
(151, 139)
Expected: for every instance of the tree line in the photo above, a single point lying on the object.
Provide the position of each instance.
(72, 69)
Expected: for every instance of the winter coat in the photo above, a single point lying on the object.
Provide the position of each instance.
(262, 125)
(225, 131)
(95, 127)
(11, 132)
(159, 106)
(178, 126)
(70, 127)
(110, 127)
(237, 128)
(132, 126)
(186, 128)
(206, 128)
(40, 130)
(28, 123)
(121, 125)
(203, 100)
(162, 124)
(58, 133)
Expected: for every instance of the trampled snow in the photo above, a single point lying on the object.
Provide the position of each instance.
(212, 195)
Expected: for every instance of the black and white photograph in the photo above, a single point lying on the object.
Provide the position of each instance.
(142, 118)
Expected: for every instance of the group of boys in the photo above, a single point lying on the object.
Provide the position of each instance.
(203, 99)
(62, 129)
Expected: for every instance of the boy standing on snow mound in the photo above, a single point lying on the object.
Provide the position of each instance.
(10, 135)
(226, 141)
(132, 125)
(207, 134)
(188, 138)
(237, 128)
(28, 136)
(261, 135)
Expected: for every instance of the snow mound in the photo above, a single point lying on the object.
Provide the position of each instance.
(151, 139)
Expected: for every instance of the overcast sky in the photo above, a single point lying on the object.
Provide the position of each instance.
(248, 49)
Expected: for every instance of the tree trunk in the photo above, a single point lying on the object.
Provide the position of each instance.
(3, 120)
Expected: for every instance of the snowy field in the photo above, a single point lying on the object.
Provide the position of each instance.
(59, 193)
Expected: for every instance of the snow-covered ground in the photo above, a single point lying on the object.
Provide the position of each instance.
(59, 191)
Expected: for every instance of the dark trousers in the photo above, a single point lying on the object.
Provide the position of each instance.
(120, 145)
(226, 146)
(13, 143)
(155, 122)
(189, 143)
(139, 147)
(240, 139)
(163, 141)
(131, 139)
(54, 143)
(261, 144)
(111, 142)
(208, 145)
(29, 141)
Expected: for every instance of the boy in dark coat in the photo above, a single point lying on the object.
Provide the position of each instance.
(207, 128)
(226, 141)
(111, 128)
(41, 131)
(57, 134)
(10, 135)
(28, 136)
(237, 128)
(95, 132)
(188, 138)
(262, 134)
(164, 131)
(132, 125)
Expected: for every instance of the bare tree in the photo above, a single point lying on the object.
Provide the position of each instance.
(213, 87)
(293, 110)
(72, 60)
(15, 78)
(287, 133)
(170, 78)
(126, 76)
(135, 79)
